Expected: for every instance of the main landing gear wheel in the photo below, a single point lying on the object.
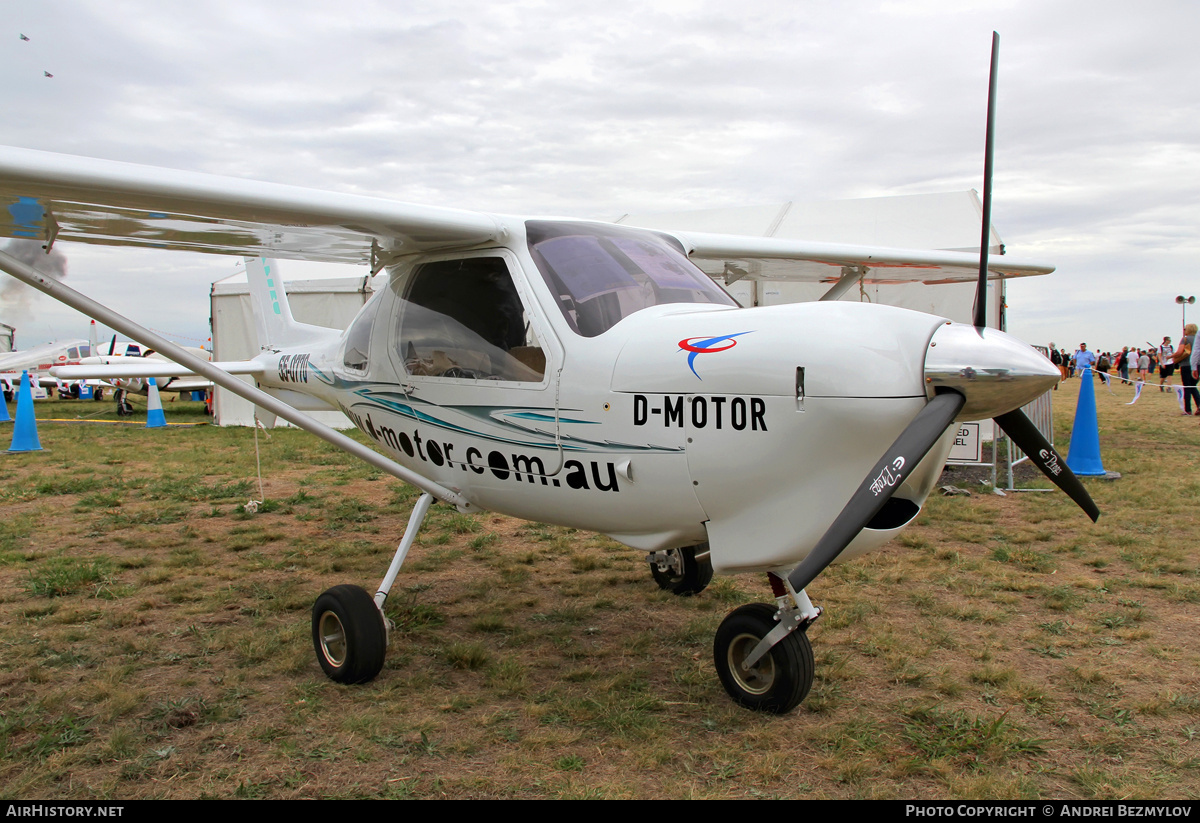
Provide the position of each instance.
(124, 407)
(780, 679)
(348, 635)
(679, 572)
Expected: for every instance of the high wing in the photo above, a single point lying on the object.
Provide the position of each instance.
(51, 197)
(731, 257)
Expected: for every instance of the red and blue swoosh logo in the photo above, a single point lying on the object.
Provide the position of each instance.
(707, 345)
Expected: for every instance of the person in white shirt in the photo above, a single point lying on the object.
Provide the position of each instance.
(1165, 367)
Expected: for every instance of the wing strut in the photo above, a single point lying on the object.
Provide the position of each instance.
(850, 276)
(110, 318)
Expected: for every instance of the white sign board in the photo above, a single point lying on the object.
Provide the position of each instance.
(968, 445)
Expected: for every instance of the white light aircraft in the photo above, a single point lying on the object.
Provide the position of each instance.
(41, 360)
(589, 375)
(38, 361)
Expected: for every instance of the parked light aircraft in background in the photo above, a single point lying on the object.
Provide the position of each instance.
(133, 354)
(38, 360)
(589, 375)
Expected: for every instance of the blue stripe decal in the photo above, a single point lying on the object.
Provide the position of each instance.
(398, 403)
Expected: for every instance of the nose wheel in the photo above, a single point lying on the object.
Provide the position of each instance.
(780, 679)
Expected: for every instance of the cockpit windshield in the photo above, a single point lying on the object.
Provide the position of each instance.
(601, 274)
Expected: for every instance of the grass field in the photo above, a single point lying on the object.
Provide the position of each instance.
(156, 639)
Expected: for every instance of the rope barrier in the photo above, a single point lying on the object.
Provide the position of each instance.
(1138, 385)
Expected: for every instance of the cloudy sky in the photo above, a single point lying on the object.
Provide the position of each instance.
(595, 110)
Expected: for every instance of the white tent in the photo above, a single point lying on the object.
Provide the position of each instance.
(332, 303)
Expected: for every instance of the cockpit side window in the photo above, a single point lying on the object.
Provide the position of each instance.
(602, 273)
(358, 338)
(464, 319)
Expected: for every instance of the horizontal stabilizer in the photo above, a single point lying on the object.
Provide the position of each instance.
(150, 368)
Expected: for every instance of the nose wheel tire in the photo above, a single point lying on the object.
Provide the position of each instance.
(348, 634)
(679, 572)
(780, 680)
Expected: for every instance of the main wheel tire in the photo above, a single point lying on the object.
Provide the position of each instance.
(682, 574)
(781, 679)
(348, 635)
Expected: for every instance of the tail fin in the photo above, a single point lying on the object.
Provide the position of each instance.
(272, 315)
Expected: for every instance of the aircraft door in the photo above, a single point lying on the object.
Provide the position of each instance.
(479, 369)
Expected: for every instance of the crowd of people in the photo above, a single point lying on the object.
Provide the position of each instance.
(1139, 365)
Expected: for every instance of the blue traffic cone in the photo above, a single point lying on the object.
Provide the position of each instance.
(4, 418)
(154, 411)
(1083, 457)
(25, 437)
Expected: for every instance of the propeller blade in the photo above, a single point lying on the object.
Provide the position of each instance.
(988, 151)
(112, 346)
(1022, 431)
(895, 465)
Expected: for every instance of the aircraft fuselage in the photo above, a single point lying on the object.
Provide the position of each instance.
(677, 424)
